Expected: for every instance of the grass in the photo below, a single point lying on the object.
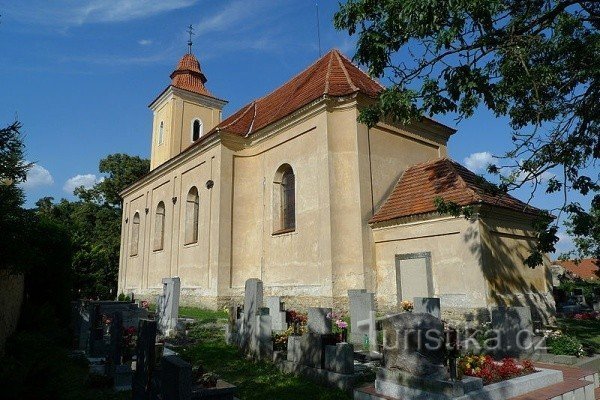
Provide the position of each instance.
(202, 315)
(255, 379)
(587, 331)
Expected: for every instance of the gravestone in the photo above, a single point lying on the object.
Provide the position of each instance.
(579, 296)
(429, 305)
(277, 313)
(362, 317)
(145, 352)
(513, 327)
(253, 301)
(167, 305)
(176, 378)
(340, 358)
(261, 343)
(311, 350)
(413, 343)
(122, 378)
(318, 322)
(115, 348)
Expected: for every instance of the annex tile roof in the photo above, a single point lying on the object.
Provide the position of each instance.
(189, 76)
(588, 268)
(332, 75)
(420, 184)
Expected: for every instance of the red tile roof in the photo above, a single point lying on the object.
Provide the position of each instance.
(332, 75)
(588, 268)
(188, 76)
(420, 184)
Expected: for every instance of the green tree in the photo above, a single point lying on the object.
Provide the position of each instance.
(13, 170)
(94, 223)
(536, 62)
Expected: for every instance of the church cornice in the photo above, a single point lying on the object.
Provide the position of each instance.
(170, 91)
(206, 144)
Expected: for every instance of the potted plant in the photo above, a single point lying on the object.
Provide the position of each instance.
(340, 327)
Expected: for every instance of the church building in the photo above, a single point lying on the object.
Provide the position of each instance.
(292, 190)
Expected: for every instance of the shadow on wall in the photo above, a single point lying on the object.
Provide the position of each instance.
(511, 281)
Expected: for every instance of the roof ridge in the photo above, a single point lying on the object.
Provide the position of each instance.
(253, 119)
(293, 77)
(328, 74)
(245, 108)
(343, 67)
(453, 164)
(342, 55)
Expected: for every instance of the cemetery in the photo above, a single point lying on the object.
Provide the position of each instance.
(261, 348)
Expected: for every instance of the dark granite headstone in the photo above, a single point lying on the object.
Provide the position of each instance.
(513, 328)
(176, 378)
(413, 343)
(145, 350)
(115, 348)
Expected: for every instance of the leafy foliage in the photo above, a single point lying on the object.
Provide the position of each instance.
(94, 223)
(13, 170)
(565, 345)
(534, 62)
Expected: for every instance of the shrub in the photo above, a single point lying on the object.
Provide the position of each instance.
(565, 345)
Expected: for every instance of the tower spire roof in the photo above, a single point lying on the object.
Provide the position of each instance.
(189, 76)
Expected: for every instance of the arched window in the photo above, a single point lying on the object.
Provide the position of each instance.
(135, 235)
(161, 132)
(196, 129)
(159, 227)
(284, 199)
(192, 209)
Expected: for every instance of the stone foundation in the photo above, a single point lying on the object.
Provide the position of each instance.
(542, 305)
(543, 308)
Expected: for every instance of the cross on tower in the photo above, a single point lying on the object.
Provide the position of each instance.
(190, 31)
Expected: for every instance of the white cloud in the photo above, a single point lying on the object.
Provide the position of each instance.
(144, 42)
(67, 13)
(37, 176)
(87, 181)
(478, 162)
(229, 16)
(565, 243)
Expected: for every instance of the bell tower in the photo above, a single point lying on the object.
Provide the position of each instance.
(184, 112)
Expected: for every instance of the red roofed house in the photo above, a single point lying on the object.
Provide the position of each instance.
(586, 269)
(291, 189)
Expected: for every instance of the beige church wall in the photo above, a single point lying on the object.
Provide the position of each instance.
(385, 152)
(161, 152)
(159, 262)
(294, 264)
(133, 274)
(454, 245)
(394, 150)
(193, 258)
(185, 112)
(508, 240)
(193, 263)
(350, 249)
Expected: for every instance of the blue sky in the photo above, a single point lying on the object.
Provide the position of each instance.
(79, 75)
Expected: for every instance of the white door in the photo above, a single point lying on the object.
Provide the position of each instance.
(413, 276)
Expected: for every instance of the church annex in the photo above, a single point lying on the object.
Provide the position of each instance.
(292, 190)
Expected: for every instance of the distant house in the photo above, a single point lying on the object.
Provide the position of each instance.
(588, 269)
